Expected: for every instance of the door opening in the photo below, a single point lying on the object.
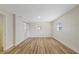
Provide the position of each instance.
(1, 32)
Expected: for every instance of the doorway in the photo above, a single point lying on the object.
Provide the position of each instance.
(1, 32)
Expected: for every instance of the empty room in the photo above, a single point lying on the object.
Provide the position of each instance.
(39, 28)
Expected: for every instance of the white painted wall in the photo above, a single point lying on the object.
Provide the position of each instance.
(26, 30)
(45, 29)
(68, 36)
(70, 33)
(21, 34)
(8, 30)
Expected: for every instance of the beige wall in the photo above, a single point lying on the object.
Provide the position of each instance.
(70, 33)
(44, 31)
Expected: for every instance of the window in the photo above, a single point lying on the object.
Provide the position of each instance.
(25, 26)
(59, 26)
(38, 28)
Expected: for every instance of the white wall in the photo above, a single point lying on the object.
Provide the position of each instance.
(8, 30)
(70, 33)
(20, 32)
(45, 29)
(26, 30)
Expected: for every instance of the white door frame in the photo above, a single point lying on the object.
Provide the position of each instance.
(4, 29)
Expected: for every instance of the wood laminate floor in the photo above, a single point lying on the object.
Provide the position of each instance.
(41, 46)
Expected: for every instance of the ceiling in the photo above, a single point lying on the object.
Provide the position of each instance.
(38, 12)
